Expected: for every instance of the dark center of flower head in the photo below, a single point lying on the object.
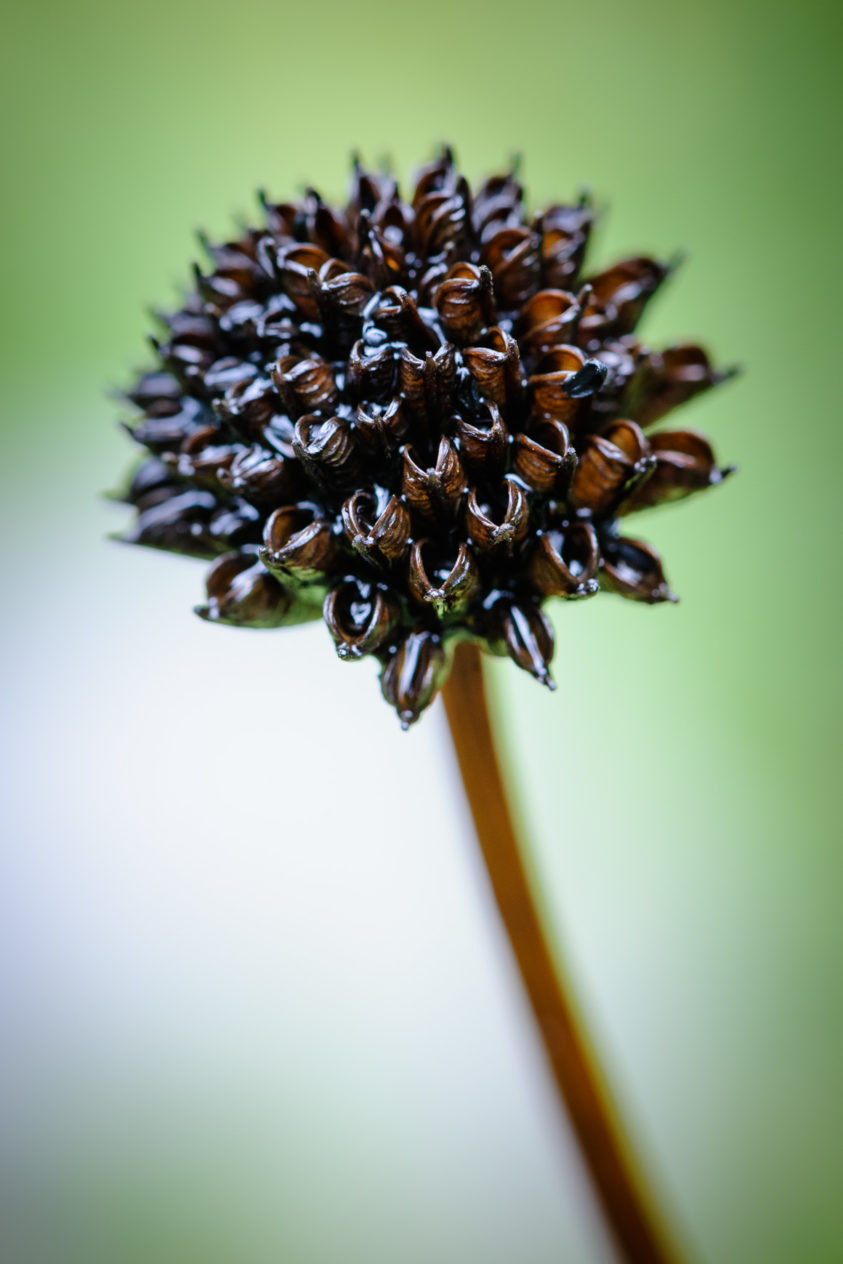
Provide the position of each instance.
(417, 419)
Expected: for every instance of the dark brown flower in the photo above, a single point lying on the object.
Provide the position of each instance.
(418, 418)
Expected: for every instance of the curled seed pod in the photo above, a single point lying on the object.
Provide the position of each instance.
(564, 236)
(179, 523)
(341, 296)
(381, 428)
(548, 320)
(326, 449)
(372, 370)
(382, 259)
(483, 441)
(427, 384)
(670, 379)
(564, 562)
(156, 388)
(545, 459)
(448, 586)
(632, 569)
(361, 617)
(323, 225)
(261, 477)
(512, 254)
(305, 385)
(204, 458)
(249, 406)
(523, 631)
(611, 465)
(684, 463)
(241, 592)
(395, 313)
(295, 263)
(378, 528)
(412, 675)
(435, 493)
(628, 287)
(299, 544)
(498, 524)
(498, 203)
(465, 302)
(495, 366)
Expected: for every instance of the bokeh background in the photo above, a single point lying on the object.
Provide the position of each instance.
(256, 1004)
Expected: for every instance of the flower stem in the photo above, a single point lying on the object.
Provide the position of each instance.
(631, 1217)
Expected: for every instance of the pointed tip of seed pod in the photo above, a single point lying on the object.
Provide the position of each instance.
(204, 612)
(548, 682)
(726, 470)
(671, 597)
(726, 375)
(675, 262)
(405, 719)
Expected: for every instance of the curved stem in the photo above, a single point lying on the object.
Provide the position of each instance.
(630, 1216)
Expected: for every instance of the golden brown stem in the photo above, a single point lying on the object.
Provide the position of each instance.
(630, 1216)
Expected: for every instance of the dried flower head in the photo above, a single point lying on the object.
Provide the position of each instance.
(416, 419)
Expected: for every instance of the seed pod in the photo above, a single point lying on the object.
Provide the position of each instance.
(684, 463)
(427, 384)
(465, 302)
(242, 593)
(628, 287)
(564, 236)
(372, 371)
(447, 586)
(435, 493)
(495, 365)
(524, 632)
(670, 379)
(305, 385)
(564, 562)
(361, 617)
(325, 447)
(299, 544)
(634, 570)
(545, 459)
(611, 465)
(491, 530)
(262, 478)
(380, 532)
(294, 265)
(412, 674)
(483, 442)
(547, 321)
(512, 254)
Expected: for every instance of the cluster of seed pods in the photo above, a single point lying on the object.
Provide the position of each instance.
(418, 420)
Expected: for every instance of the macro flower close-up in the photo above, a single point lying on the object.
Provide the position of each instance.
(419, 419)
(419, 663)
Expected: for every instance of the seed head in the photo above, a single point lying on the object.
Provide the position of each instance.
(417, 420)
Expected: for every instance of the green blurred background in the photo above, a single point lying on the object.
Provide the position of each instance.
(245, 1023)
